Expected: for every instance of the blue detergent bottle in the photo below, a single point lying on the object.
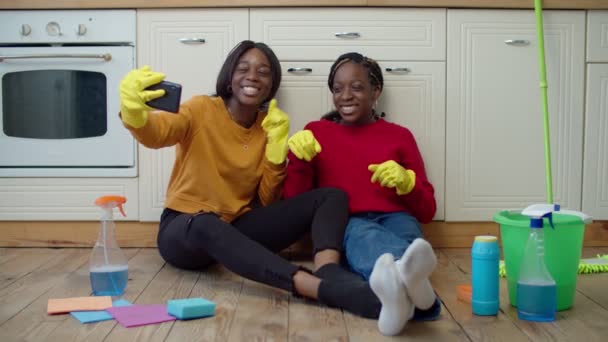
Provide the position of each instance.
(536, 289)
(485, 255)
(108, 268)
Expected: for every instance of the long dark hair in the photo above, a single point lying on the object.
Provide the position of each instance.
(374, 72)
(224, 78)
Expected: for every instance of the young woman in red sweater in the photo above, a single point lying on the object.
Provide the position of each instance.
(379, 166)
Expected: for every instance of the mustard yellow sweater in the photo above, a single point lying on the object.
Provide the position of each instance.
(220, 166)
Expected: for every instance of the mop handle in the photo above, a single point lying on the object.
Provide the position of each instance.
(538, 9)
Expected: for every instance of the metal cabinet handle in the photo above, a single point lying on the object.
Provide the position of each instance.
(192, 40)
(350, 35)
(401, 70)
(105, 56)
(517, 42)
(299, 70)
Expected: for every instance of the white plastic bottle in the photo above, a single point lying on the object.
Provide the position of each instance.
(108, 268)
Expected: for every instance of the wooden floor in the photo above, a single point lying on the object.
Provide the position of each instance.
(247, 311)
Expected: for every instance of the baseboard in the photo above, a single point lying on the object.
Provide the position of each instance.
(143, 234)
(73, 233)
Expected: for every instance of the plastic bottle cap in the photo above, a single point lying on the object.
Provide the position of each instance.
(107, 199)
(536, 222)
(486, 238)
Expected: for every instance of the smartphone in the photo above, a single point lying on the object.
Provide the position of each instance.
(170, 102)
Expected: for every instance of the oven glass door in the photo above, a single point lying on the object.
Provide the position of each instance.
(63, 111)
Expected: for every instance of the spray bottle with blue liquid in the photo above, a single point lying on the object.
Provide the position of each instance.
(108, 268)
(536, 288)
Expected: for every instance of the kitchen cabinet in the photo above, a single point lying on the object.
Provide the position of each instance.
(595, 166)
(494, 134)
(465, 81)
(409, 45)
(189, 46)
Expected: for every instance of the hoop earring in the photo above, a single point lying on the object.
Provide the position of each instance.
(229, 88)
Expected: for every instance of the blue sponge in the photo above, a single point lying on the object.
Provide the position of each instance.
(190, 308)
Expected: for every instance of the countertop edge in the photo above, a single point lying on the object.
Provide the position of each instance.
(149, 4)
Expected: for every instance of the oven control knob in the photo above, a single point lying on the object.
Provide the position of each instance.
(25, 30)
(53, 29)
(82, 30)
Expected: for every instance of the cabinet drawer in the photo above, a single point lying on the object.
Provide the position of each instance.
(323, 34)
(597, 36)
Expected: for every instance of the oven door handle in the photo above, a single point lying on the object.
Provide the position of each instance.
(105, 56)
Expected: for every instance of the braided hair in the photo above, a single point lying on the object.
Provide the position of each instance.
(374, 73)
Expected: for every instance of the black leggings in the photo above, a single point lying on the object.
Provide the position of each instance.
(249, 245)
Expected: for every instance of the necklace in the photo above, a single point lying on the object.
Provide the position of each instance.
(245, 145)
(231, 116)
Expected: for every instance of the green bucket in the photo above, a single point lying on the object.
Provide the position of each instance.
(563, 247)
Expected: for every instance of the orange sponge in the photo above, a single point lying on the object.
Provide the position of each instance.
(464, 293)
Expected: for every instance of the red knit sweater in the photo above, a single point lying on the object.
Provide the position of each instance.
(346, 153)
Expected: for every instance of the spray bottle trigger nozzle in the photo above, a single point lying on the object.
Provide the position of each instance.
(550, 217)
(118, 201)
(122, 212)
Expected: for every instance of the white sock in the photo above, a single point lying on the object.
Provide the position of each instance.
(397, 308)
(415, 268)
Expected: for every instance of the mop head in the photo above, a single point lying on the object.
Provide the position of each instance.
(586, 266)
(594, 265)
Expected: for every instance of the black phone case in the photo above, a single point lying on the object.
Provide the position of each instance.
(170, 102)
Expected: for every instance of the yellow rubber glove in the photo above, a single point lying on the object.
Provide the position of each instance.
(304, 145)
(133, 97)
(276, 126)
(392, 175)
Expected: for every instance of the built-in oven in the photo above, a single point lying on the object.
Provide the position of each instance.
(59, 98)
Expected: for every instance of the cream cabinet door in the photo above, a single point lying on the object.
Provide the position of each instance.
(414, 97)
(595, 178)
(494, 134)
(303, 93)
(595, 164)
(189, 46)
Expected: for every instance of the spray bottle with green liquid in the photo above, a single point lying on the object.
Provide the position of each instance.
(108, 268)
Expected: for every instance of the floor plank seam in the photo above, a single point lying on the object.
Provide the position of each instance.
(592, 300)
(238, 303)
